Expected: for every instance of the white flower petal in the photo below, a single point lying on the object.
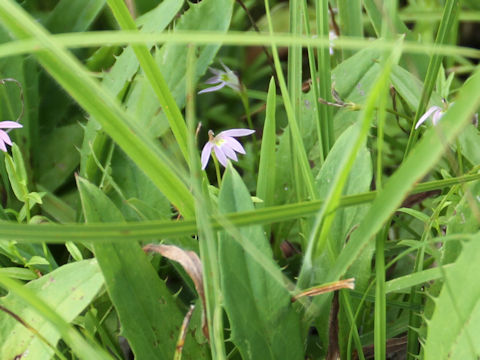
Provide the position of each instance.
(207, 149)
(437, 116)
(236, 132)
(3, 147)
(220, 155)
(234, 144)
(227, 69)
(213, 88)
(4, 138)
(216, 71)
(229, 152)
(213, 80)
(10, 125)
(427, 115)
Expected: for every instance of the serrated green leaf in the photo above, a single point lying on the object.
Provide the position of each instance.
(263, 322)
(455, 324)
(151, 319)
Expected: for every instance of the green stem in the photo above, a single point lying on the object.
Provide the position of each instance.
(217, 169)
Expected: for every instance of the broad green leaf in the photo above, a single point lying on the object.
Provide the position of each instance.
(151, 319)
(134, 184)
(266, 175)
(68, 290)
(469, 141)
(263, 322)
(58, 159)
(73, 15)
(18, 273)
(358, 181)
(455, 324)
(463, 220)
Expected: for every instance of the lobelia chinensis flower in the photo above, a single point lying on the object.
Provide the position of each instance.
(224, 145)
(4, 138)
(436, 112)
(222, 79)
(332, 35)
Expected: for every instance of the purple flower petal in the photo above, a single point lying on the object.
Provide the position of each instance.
(427, 115)
(227, 69)
(215, 71)
(3, 134)
(4, 138)
(213, 80)
(235, 87)
(207, 149)
(213, 88)
(234, 144)
(229, 152)
(236, 132)
(437, 116)
(10, 125)
(220, 155)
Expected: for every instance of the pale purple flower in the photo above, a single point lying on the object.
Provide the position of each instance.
(222, 78)
(332, 35)
(4, 138)
(436, 112)
(224, 145)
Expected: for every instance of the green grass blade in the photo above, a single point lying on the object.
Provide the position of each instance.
(98, 38)
(159, 85)
(324, 74)
(147, 230)
(208, 243)
(453, 328)
(266, 173)
(449, 14)
(299, 155)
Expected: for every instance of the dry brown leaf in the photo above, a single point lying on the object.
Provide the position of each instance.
(322, 289)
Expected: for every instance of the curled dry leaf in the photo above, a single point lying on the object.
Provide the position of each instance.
(322, 289)
(191, 263)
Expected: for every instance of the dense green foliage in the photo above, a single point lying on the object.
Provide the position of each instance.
(364, 165)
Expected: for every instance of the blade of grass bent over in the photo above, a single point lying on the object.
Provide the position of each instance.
(93, 98)
(99, 38)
